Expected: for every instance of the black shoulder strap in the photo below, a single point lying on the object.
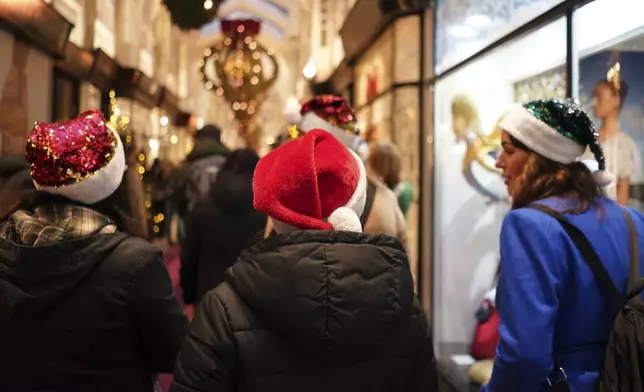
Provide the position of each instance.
(368, 205)
(588, 253)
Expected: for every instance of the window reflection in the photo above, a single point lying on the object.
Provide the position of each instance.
(611, 87)
(466, 26)
(470, 195)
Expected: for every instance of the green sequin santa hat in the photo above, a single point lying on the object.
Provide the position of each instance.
(558, 130)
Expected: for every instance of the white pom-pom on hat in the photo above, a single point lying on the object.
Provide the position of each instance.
(345, 219)
(604, 177)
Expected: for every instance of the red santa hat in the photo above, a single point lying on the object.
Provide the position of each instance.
(332, 114)
(311, 183)
(81, 159)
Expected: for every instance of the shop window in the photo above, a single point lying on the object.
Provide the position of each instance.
(406, 50)
(610, 53)
(463, 27)
(66, 99)
(470, 197)
(374, 70)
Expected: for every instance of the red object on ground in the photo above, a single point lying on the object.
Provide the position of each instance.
(486, 335)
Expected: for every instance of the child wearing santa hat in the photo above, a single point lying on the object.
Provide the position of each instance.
(85, 305)
(320, 306)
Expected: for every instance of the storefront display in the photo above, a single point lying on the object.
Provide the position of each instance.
(470, 200)
(610, 74)
(386, 93)
(469, 195)
(31, 41)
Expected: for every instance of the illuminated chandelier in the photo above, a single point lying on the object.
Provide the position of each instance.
(240, 72)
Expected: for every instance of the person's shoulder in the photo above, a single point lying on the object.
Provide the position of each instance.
(137, 252)
(625, 141)
(526, 217)
(233, 308)
(383, 191)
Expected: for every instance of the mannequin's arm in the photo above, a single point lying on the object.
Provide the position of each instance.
(623, 189)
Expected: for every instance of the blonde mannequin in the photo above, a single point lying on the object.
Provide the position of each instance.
(466, 125)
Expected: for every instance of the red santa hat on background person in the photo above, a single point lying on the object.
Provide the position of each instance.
(332, 114)
(81, 159)
(311, 183)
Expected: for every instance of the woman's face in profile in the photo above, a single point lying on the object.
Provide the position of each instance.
(605, 101)
(511, 161)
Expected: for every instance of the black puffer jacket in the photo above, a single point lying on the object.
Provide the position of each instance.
(217, 230)
(91, 314)
(311, 311)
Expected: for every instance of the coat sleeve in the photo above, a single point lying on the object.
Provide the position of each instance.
(527, 300)
(161, 322)
(425, 376)
(207, 358)
(190, 259)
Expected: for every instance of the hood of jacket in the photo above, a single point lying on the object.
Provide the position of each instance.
(233, 191)
(205, 147)
(10, 165)
(332, 293)
(34, 278)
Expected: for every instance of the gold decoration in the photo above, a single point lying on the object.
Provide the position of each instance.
(239, 70)
(465, 118)
(612, 76)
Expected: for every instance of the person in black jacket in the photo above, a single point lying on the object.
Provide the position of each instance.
(15, 181)
(85, 305)
(319, 306)
(220, 227)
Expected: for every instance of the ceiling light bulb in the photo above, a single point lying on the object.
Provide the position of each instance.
(207, 4)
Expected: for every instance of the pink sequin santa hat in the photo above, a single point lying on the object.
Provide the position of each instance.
(81, 159)
(332, 114)
(311, 183)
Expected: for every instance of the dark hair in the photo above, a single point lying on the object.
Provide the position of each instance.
(113, 207)
(208, 131)
(621, 92)
(242, 161)
(543, 177)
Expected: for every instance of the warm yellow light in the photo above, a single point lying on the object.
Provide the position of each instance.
(148, 204)
(254, 80)
(174, 139)
(141, 170)
(207, 4)
(141, 157)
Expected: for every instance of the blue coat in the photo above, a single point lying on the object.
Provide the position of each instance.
(548, 300)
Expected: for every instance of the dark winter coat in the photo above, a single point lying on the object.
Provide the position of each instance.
(311, 311)
(217, 230)
(94, 313)
(194, 178)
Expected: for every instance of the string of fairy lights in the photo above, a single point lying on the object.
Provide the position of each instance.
(121, 124)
